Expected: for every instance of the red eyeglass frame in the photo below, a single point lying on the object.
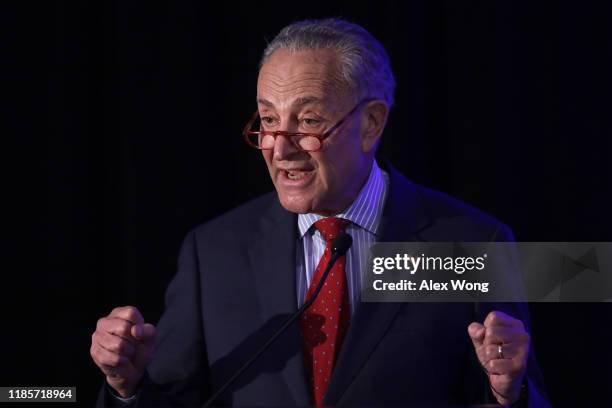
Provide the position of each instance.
(246, 132)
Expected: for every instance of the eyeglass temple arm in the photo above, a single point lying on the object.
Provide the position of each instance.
(348, 115)
(247, 127)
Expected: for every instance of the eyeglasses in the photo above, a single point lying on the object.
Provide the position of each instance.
(307, 142)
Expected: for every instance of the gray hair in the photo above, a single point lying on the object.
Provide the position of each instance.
(364, 63)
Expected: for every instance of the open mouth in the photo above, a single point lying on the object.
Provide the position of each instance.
(296, 174)
(296, 177)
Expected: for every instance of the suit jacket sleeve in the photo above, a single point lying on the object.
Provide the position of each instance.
(178, 374)
(535, 397)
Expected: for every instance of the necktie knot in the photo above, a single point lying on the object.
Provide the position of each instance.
(331, 227)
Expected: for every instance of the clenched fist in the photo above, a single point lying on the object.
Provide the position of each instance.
(122, 346)
(502, 346)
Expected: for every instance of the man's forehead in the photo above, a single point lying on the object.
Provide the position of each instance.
(299, 78)
(298, 102)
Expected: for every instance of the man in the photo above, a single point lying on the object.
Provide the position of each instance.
(324, 92)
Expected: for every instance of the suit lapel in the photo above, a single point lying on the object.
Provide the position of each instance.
(272, 256)
(403, 217)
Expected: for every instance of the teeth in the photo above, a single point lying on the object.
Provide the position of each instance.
(295, 175)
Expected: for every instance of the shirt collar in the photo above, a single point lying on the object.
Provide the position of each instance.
(365, 211)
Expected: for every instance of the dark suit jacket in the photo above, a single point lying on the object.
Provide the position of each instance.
(236, 285)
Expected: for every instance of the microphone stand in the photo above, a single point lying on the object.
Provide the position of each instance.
(339, 247)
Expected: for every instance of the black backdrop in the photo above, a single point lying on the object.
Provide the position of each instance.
(506, 105)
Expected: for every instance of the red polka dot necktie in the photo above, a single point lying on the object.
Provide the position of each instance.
(326, 321)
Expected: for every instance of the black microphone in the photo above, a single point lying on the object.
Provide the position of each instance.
(339, 246)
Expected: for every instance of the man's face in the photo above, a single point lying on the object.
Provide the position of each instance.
(302, 92)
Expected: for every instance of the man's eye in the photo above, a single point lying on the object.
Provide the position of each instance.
(267, 120)
(311, 122)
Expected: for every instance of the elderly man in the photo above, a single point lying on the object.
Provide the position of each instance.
(323, 97)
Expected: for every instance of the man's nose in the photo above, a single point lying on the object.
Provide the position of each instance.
(284, 148)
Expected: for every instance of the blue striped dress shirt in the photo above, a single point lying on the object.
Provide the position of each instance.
(365, 214)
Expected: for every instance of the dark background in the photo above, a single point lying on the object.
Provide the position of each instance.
(506, 105)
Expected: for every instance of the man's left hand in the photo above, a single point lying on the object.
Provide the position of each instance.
(502, 347)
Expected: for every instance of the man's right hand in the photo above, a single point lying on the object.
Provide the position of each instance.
(122, 347)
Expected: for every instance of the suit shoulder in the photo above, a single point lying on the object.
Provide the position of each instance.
(240, 221)
(473, 222)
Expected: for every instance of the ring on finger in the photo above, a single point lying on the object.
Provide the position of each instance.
(500, 350)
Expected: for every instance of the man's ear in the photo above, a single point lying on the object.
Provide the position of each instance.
(373, 119)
